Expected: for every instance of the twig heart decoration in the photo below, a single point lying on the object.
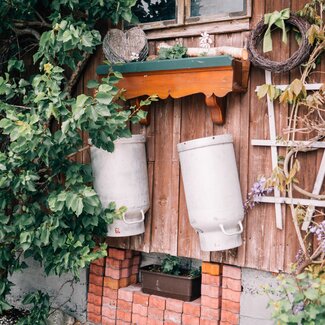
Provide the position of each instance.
(120, 46)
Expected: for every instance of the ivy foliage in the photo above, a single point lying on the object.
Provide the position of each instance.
(48, 208)
(301, 299)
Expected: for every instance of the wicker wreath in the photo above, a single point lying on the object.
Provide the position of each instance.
(296, 59)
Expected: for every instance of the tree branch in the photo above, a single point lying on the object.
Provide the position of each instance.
(28, 31)
(76, 74)
(23, 23)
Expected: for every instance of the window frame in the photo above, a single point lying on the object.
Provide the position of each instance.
(183, 10)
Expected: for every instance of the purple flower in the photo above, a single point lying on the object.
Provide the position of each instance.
(258, 189)
(319, 231)
(300, 257)
(298, 308)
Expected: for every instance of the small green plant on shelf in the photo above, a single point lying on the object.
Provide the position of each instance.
(177, 51)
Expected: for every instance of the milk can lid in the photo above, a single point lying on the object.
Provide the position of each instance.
(204, 142)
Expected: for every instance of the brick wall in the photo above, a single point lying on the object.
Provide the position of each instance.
(115, 298)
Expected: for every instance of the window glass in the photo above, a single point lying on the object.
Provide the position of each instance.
(217, 7)
(155, 10)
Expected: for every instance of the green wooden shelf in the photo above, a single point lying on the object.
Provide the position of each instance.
(176, 64)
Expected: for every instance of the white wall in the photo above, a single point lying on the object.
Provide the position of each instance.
(33, 278)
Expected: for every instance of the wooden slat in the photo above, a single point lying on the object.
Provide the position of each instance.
(232, 126)
(166, 187)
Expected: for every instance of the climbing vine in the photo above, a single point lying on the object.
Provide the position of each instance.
(48, 208)
(302, 297)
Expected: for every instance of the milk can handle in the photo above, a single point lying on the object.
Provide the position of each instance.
(232, 233)
(133, 222)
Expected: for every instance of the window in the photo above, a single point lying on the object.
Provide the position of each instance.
(166, 13)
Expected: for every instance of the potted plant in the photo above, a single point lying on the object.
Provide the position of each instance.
(172, 280)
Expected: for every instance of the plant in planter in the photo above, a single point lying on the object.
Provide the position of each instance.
(172, 280)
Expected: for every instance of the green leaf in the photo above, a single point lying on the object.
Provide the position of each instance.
(311, 294)
(81, 100)
(92, 84)
(262, 91)
(104, 98)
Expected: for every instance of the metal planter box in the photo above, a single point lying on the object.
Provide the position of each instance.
(172, 286)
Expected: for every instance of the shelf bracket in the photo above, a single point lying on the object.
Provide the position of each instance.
(217, 107)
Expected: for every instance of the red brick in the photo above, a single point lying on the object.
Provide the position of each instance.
(110, 293)
(113, 263)
(126, 272)
(205, 321)
(229, 317)
(118, 254)
(135, 269)
(152, 321)
(173, 317)
(126, 316)
(211, 268)
(141, 298)
(116, 284)
(224, 323)
(138, 319)
(210, 313)
(155, 313)
(111, 283)
(127, 293)
(192, 308)
(211, 279)
(210, 302)
(93, 299)
(134, 279)
(136, 260)
(122, 322)
(190, 320)
(169, 322)
(97, 290)
(127, 262)
(96, 279)
(108, 321)
(157, 302)
(94, 309)
(99, 261)
(231, 306)
(211, 291)
(231, 272)
(139, 309)
(231, 295)
(97, 269)
(113, 273)
(97, 319)
(109, 302)
(109, 312)
(232, 284)
(174, 305)
(124, 305)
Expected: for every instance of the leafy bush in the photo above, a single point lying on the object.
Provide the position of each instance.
(48, 207)
(301, 299)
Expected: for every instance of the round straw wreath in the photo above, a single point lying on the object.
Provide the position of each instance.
(295, 60)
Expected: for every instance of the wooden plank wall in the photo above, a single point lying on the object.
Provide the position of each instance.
(173, 121)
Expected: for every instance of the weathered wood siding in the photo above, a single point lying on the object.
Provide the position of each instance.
(172, 121)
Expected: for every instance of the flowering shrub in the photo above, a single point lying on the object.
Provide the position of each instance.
(301, 299)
